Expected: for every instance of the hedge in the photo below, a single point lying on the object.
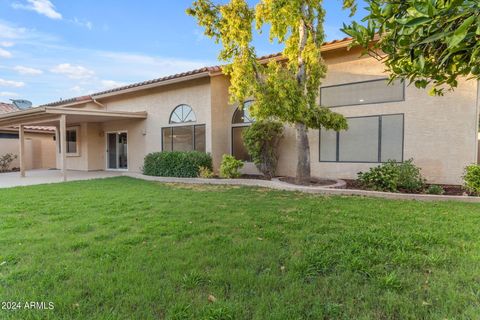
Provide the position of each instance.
(176, 164)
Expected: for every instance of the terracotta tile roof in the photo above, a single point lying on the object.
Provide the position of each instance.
(211, 69)
(8, 107)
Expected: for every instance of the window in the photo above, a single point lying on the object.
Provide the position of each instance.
(4, 135)
(72, 139)
(241, 120)
(182, 114)
(369, 139)
(183, 138)
(366, 92)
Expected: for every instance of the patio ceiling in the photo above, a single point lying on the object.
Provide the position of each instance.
(49, 116)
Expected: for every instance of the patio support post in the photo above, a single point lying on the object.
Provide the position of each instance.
(21, 136)
(63, 145)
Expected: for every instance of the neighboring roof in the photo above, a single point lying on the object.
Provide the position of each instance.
(206, 71)
(9, 108)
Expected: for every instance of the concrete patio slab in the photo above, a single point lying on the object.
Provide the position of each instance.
(35, 177)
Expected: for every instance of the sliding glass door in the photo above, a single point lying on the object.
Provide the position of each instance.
(117, 151)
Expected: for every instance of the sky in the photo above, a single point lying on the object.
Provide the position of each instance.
(57, 49)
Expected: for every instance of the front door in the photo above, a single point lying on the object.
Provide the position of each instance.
(117, 151)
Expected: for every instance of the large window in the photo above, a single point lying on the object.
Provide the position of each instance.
(358, 93)
(183, 137)
(369, 139)
(241, 120)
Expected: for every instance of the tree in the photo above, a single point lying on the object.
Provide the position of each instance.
(428, 42)
(286, 90)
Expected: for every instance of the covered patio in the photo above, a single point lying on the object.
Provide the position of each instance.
(60, 119)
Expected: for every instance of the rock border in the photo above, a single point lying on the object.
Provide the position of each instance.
(333, 190)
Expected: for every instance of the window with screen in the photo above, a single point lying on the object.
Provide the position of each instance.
(358, 93)
(369, 139)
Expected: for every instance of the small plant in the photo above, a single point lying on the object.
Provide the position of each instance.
(435, 189)
(229, 169)
(472, 179)
(261, 140)
(393, 177)
(6, 160)
(205, 173)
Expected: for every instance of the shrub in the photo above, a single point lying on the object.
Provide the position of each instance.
(435, 189)
(410, 177)
(381, 178)
(176, 164)
(472, 179)
(261, 140)
(6, 160)
(392, 177)
(230, 167)
(206, 173)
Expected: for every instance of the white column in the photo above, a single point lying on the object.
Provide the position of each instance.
(63, 146)
(21, 135)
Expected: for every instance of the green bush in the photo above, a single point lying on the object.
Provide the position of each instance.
(410, 177)
(381, 178)
(435, 189)
(230, 167)
(261, 140)
(472, 179)
(176, 164)
(393, 177)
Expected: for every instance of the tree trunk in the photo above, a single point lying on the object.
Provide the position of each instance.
(303, 147)
(303, 155)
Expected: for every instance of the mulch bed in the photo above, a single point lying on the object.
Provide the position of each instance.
(450, 190)
(313, 182)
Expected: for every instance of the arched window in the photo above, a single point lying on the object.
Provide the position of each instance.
(243, 116)
(180, 137)
(182, 114)
(240, 121)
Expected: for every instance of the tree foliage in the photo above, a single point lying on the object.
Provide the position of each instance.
(286, 89)
(261, 140)
(428, 42)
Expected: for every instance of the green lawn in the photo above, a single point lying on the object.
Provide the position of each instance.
(127, 249)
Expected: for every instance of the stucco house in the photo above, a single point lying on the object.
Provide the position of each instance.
(115, 129)
(39, 143)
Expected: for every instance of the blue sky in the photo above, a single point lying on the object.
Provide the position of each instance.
(52, 49)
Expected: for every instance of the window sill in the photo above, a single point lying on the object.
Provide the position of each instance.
(72, 155)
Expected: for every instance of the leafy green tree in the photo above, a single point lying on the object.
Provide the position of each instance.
(286, 90)
(428, 42)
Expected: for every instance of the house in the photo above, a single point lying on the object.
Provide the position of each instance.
(115, 129)
(39, 143)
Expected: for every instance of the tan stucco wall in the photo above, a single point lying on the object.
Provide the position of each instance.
(39, 150)
(144, 136)
(440, 132)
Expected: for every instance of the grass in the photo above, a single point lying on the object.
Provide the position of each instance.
(128, 249)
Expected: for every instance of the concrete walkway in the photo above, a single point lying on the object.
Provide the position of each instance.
(279, 185)
(34, 177)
